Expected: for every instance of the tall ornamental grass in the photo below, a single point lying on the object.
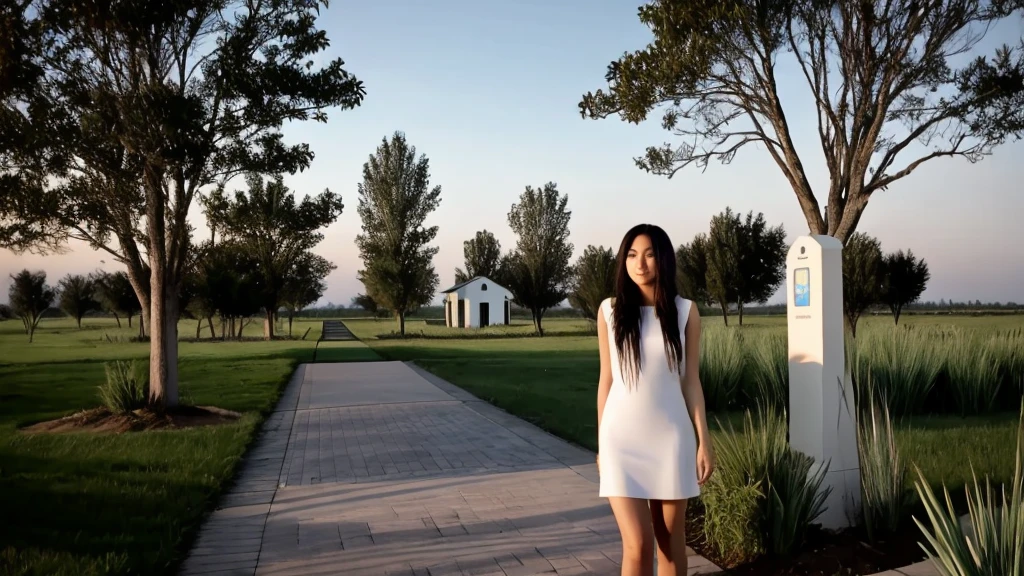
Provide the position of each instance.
(992, 543)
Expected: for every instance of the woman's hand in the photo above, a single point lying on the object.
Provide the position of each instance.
(705, 463)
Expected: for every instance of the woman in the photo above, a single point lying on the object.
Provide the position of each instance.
(649, 403)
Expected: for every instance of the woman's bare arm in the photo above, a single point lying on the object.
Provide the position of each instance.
(604, 382)
(693, 392)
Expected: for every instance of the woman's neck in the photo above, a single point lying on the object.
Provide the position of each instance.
(647, 295)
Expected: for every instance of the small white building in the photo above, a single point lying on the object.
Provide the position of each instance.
(476, 303)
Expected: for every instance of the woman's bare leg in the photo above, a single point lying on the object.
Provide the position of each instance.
(669, 519)
(633, 515)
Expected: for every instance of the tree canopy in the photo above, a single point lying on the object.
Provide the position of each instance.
(305, 283)
(30, 296)
(76, 296)
(887, 81)
(115, 295)
(276, 230)
(538, 270)
(692, 269)
(483, 258)
(904, 278)
(593, 280)
(127, 111)
(862, 277)
(395, 199)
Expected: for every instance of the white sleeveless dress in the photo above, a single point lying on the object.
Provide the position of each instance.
(646, 440)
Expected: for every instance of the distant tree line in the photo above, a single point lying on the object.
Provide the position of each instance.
(258, 261)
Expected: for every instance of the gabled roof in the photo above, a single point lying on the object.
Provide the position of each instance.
(470, 281)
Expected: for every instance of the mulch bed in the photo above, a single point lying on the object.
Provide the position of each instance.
(102, 420)
(824, 553)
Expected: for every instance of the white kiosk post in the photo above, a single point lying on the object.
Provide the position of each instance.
(822, 415)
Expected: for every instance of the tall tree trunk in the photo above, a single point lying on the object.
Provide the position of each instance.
(268, 325)
(138, 282)
(163, 391)
(538, 318)
(739, 305)
(209, 320)
(130, 320)
(199, 328)
(725, 313)
(896, 314)
(223, 328)
(78, 322)
(241, 327)
(118, 318)
(401, 323)
(291, 316)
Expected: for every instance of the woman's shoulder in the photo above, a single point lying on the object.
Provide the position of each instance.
(684, 305)
(606, 307)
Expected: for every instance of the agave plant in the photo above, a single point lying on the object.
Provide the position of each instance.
(994, 546)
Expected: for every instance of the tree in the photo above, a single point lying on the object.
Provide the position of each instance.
(30, 297)
(395, 199)
(115, 295)
(6, 313)
(275, 229)
(483, 258)
(692, 269)
(724, 248)
(904, 279)
(538, 271)
(226, 281)
(888, 94)
(304, 284)
(862, 277)
(593, 280)
(366, 302)
(762, 261)
(126, 112)
(76, 296)
(745, 260)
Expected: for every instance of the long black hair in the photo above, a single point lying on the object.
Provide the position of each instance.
(626, 310)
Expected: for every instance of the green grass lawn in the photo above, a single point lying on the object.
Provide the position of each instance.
(86, 503)
(552, 382)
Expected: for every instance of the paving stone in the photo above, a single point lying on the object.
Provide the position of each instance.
(383, 468)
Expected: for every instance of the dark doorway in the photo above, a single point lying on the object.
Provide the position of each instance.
(462, 312)
(508, 312)
(485, 314)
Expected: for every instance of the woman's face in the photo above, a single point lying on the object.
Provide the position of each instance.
(640, 263)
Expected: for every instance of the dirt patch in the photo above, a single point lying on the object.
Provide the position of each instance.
(102, 420)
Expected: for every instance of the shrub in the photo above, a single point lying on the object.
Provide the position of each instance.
(769, 367)
(721, 367)
(732, 520)
(885, 494)
(126, 387)
(972, 372)
(759, 464)
(994, 545)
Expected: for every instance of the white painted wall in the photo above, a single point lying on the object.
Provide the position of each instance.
(472, 295)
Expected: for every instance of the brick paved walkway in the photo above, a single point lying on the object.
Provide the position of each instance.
(382, 468)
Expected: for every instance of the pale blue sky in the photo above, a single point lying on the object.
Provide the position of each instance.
(489, 92)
